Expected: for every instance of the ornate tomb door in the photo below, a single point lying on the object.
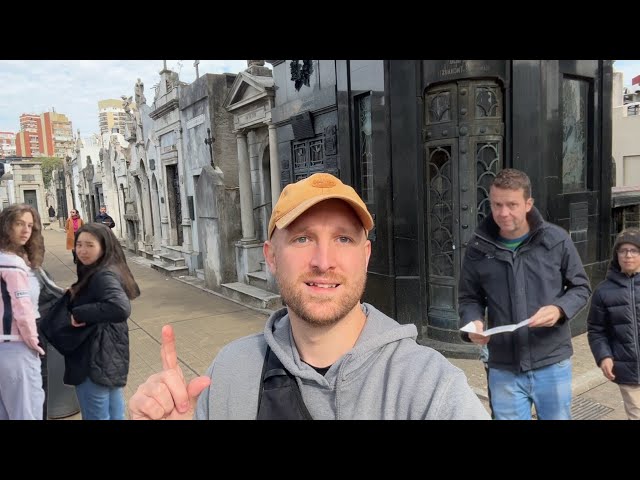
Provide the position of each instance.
(463, 148)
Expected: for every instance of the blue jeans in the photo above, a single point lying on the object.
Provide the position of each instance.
(98, 402)
(548, 388)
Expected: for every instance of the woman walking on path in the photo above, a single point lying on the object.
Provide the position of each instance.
(74, 222)
(100, 299)
(21, 249)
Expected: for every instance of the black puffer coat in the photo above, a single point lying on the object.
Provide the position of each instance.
(612, 324)
(105, 356)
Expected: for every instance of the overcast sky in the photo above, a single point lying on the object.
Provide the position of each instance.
(74, 87)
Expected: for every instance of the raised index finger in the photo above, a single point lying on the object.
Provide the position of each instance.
(168, 349)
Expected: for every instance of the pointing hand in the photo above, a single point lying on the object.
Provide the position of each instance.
(166, 395)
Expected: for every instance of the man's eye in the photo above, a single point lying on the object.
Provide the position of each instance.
(301, 240)
(344, 239)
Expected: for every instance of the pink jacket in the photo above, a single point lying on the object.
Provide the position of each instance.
(19, 305)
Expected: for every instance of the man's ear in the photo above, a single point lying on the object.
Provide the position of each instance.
(529, 204)
(268, 250)
(367, 249)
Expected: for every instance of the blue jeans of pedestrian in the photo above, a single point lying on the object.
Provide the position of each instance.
(98, 402)
(547, 388)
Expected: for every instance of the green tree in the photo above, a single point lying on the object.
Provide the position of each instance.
(49, 164)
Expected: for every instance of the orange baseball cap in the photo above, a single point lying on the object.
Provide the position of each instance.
(297, 198)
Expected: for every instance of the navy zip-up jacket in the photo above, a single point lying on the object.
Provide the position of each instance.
(513, 285)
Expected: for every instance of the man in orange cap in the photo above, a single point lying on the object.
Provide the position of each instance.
(325, 355)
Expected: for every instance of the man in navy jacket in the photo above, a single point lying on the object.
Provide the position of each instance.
(517, 266)
(105, 219)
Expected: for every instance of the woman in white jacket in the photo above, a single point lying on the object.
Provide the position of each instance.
(21, 249)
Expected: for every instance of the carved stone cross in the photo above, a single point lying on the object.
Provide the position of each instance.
(209, 141)
(195, 64)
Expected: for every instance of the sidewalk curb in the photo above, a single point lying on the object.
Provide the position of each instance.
(481, 393)
(587, 381)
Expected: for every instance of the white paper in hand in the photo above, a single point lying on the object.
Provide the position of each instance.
(471, 328)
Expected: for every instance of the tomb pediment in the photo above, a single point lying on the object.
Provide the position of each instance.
(248, 89)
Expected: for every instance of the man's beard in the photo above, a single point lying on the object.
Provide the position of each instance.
(337, 308)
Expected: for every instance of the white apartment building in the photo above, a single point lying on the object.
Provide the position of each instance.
(7, 144)
(625, 146)
(111, 114)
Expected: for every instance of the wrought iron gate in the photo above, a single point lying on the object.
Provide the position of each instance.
(463, 143)
(312, 155)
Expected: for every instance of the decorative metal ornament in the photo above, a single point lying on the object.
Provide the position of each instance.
(301, 74)
(209, 141)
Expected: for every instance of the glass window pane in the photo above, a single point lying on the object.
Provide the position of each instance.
(575, 95)
(364, 148)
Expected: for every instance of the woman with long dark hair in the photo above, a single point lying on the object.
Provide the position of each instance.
(21, 250)
(100, 299)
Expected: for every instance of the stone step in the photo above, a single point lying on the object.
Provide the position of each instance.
(170, 270)
(253, 296)
(177, 249)
(263, 265)
(172, 259)
(258, 279)
(200, 273)
(139, 259)
(147, 255)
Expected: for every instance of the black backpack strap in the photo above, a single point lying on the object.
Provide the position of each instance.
(280, 397)
(7, 317)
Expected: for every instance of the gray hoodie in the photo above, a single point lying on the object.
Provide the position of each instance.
(385, 376)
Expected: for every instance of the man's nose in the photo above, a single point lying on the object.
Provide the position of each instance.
(323, 257)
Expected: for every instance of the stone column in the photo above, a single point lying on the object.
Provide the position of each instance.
(244, 179)
(186, 220)
(274, 165)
